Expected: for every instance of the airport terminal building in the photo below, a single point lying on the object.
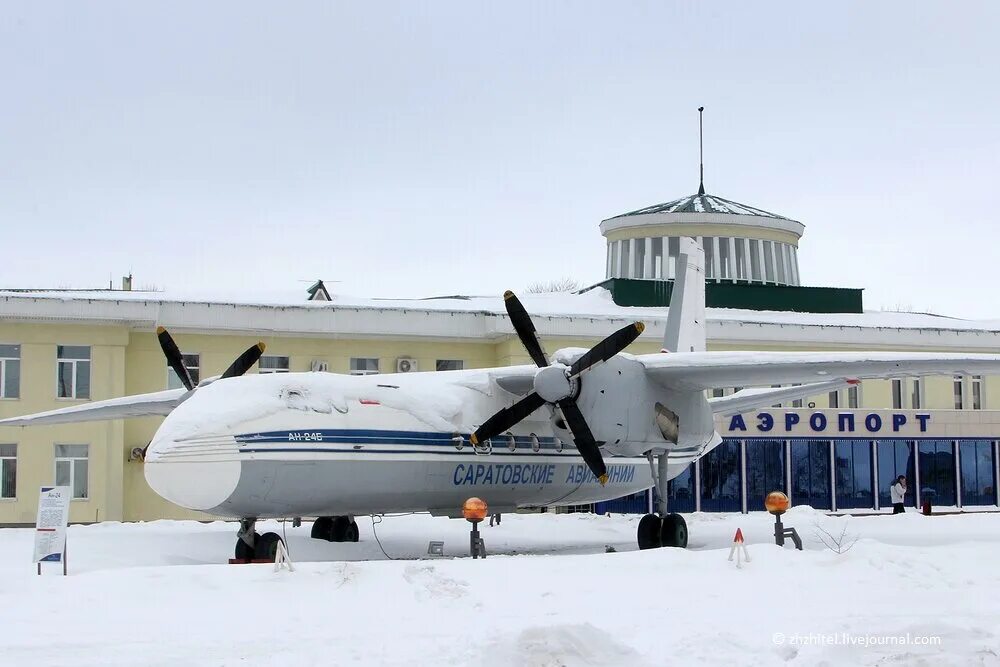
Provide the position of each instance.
(836, 451)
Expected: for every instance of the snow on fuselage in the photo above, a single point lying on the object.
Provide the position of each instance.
(305, 444)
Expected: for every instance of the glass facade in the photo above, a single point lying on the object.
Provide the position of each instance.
(852, 461)
(680, 492)
(765, 470)
(937, 472)
(855, 477)
(720, 471)
(895, 457)
(979, 483)
(810, 462)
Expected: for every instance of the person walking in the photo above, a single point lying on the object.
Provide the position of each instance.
(897, 493)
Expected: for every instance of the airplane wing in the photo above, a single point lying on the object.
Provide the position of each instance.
(751, 399)
(708, 370)
(140, 405)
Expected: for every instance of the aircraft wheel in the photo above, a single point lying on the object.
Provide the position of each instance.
(674, 531)
(649, 532)
(243, 550)
(341, 526)
(266, 546)
(322, 529)
(351, 534)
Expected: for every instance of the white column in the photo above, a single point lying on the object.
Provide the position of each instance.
(746, 259)
(631, 259)
(607, 270)
(647, 264)
(618, 259)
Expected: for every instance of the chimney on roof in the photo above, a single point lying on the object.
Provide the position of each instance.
(127, 283)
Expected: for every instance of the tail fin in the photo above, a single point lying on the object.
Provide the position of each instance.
(686, 317)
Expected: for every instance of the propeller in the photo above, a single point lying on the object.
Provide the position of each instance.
(175, 359)
(557, 385)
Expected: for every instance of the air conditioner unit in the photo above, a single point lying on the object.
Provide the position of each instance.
(319, 366)
(406, 365)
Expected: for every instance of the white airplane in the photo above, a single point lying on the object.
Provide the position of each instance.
(335, 447)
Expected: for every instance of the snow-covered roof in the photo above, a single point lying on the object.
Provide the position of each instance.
(703, 204)
(563, 313)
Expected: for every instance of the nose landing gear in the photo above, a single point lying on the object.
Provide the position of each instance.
(251, 545)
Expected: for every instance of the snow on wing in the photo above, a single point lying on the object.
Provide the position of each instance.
(708, 370)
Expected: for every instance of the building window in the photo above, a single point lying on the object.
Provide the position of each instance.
(673, 251)
(853, 469)
(721, 478)
(797, 403)
(916, 396)
(709, 246)
(834, 399)
(977, 392)
(779, 260)
(978, 472)
(810, 468)
(765, 471)
(640, 259)
(768, 261)
(658, 258)
(193, 364)
(937, 471)
(725, 261)
(273, 364)
(364, 366)
(959, 396)
(897, 394)
(854, 397)
(73, 371)
(449, 365)
(755, 260)
(72, 468)
(741, 259)
(10, 371)
(8, 471)
(625, 271)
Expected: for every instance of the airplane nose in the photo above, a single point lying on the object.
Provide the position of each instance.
(197, 474)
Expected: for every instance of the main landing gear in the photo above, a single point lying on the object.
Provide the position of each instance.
(335, 529)
(663, 529)
(251, 545)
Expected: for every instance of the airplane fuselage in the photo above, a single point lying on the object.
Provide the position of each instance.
(320, 444)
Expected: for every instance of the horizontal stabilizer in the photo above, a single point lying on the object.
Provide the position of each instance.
(158, 403)
(751, 399)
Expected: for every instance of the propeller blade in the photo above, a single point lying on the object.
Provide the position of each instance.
(584, 439)
(505, 419)
(524, 328)
(174, 357)
(244, 361)
(607, 348)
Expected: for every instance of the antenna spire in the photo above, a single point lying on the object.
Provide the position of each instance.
(701, 154)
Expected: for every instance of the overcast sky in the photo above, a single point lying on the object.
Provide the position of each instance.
(419, 149)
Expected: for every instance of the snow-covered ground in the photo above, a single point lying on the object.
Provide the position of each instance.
(550, 593)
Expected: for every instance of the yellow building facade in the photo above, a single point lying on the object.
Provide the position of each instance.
(63, 348)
